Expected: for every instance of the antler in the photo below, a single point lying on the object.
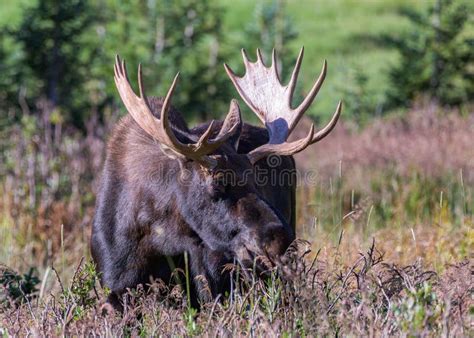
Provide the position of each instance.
(262, 91)
(160, 129)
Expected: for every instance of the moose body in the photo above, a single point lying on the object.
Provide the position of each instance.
(168, 190)
(139, 223)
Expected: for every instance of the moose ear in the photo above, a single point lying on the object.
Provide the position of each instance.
(233, 124)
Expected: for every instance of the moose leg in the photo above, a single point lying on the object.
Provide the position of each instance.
(120, 278)
(206, 269)
(215, 264)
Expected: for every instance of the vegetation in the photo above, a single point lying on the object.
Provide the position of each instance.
(421, 221)
(365, 296)
(387, 201)
(437, 57)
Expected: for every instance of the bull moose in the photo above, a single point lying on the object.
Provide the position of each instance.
(162, 192)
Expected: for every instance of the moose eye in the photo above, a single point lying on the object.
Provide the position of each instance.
(221, 184)
(234, 232)
(217, 189)
(218, 192)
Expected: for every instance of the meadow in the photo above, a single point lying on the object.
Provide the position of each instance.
(384, 222)
(389, 246)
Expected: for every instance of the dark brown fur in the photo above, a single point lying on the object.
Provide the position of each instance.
(151, 208)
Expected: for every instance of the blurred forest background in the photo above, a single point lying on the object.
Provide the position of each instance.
(399, 167)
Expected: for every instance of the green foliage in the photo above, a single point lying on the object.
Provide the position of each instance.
(321, 298)
(271, 28)
(436, 56)
(18, 288)
(267, 26)
(359, 101)
(196, 37)
(192, 327)
(272, 298)
(52, 35)
(82, 292)
(300, 328)
(167, 37)
(10, 55)
(68, 49)
(84, 284)
(416, 198)
(393, 199)
(192, 46)
(49, 175)
(419, 310)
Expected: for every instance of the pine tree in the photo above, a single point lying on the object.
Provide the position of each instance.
(272, 28)
(11, 70)
(436, 56)
(358, 100)
(53, 35)
(168, 37)
(188, 40)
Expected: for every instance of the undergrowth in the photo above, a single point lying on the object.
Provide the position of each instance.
(419, 208)
(308, 297)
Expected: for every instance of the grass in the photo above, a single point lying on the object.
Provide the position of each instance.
(414, 281)
(322, 297)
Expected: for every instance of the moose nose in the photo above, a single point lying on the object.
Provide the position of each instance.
(276, 239)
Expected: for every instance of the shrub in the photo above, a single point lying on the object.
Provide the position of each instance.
(17, 287)
(436, 55)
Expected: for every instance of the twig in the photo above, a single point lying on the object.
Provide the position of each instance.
(212, 312)
(58, 278)
(343, 286)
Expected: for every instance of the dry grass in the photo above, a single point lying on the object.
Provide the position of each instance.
(428, 139)
(368, 296)
(405, 182)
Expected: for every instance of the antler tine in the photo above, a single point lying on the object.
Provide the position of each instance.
(295, 73)
(137, 107)
(116, 66)
(330, 126)
(160, 129)
(167, 102)
(236, 80)
(311, 95)
(205, 137)
(124, 69)
(230, 72)
(275, 66)
(291, 148)
(282, 149)
(120, 69)
(140, 83)
(203, 146)
(164, 117)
